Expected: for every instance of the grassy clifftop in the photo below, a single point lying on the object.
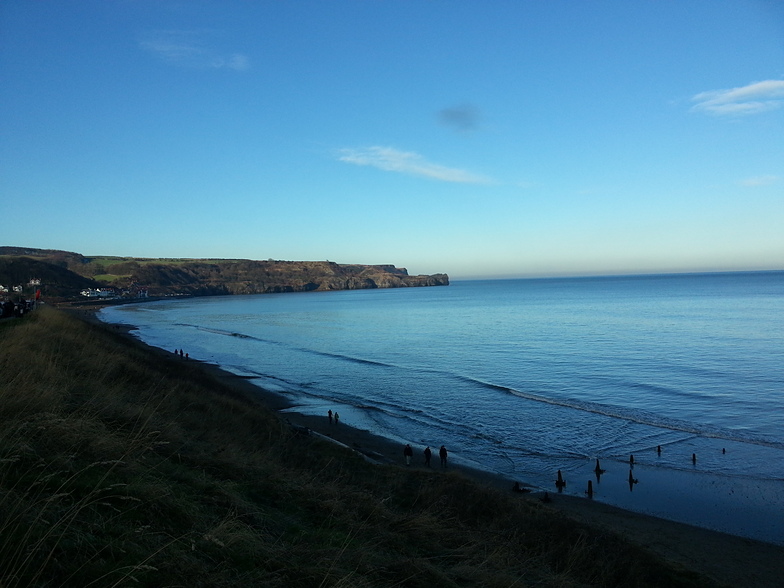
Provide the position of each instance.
(122, 466)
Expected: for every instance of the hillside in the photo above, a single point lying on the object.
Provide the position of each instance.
(65, 273)
(59, 281)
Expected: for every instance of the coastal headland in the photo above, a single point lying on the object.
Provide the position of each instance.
(67, 275)
(127, 462)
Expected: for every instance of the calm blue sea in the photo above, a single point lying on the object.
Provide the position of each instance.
(525, 377)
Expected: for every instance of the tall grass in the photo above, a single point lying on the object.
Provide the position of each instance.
(119, 466)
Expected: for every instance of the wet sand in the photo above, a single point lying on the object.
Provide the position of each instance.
(728, 559)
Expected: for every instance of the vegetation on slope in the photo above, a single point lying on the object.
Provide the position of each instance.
(59, 280)
(123, 466)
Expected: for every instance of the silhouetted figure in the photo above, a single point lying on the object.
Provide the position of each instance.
(598, 471)
(589, 492)
(694, 458)
(658, 449)
(408, 453)
(329, 414)
(187, 356)
(428, 455)
(560, 482)
(723, 451)
(631, 460)
(632, 481)
(337, 418)
(516, 487)
(442, 453)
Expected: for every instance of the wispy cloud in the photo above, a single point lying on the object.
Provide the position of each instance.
(407, 162)
(461, 118)
(189, 49)
(760, 181)
(752, 99)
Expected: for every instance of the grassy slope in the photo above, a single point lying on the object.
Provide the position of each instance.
(122, 467)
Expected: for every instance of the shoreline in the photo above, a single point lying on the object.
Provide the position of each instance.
(726, 558)
(747, 508)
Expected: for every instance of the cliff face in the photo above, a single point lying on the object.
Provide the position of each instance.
(205, 277)
(260, 277)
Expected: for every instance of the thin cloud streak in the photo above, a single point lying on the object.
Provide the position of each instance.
(407, 162)
(751, 99)
(760, 181)
(186, 49)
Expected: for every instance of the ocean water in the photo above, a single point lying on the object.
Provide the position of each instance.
(527, 377)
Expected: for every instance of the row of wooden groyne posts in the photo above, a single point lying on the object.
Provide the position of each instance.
(560, 482)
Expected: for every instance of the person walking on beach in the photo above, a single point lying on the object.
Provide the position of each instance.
(428, 455)
(337, 418)
(443, 455)
(408, 453)
(329, 414)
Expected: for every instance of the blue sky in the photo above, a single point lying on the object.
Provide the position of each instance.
(482, 139)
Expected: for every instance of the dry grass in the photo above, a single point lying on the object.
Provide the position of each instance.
(120, 467)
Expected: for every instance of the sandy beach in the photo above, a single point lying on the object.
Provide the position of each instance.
(727, 559)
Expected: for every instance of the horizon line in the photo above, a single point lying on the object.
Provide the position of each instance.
(631, 274)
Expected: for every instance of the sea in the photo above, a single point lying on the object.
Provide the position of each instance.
(682, 373)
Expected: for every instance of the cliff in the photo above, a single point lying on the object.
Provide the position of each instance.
(200, 277)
